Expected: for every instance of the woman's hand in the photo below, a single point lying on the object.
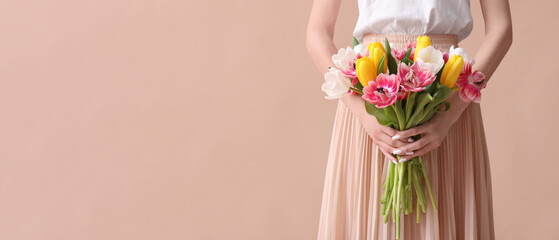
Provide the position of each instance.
(383, 136)
(433, 132)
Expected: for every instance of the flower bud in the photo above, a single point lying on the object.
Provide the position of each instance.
(422, 42)
(452, 70)
(376, 52)
(365, 70)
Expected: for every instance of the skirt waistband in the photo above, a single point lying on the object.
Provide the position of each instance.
(442, 41)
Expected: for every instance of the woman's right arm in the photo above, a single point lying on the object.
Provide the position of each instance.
(320, 45)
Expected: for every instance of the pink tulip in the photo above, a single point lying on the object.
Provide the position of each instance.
(415, 78)
(349, 72)
(383, 90)
(401, 53)
(398, 53)
(471, 83)
(402, 94)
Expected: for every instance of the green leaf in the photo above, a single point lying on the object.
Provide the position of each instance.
(406, 58)
(400, 115)
(355, 42)
(430, 114)
(410, 102)
(437, 81)
(380, 67)
(408, 54)
(440, 95)
(392, 66)
(431, 87)
(422, 100)
(386, 45)
(427, 116)
(379, 113)
(358, 85)
(390, 114)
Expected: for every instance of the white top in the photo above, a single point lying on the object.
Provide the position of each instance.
(414, 17)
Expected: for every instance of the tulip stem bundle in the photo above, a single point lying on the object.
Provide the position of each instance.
(403, 94)
(405, 179)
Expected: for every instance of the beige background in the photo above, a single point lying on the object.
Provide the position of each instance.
(136, 119)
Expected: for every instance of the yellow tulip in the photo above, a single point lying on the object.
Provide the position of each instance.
(365, 70)
(422, 42)
(452, 70)
(376, 51)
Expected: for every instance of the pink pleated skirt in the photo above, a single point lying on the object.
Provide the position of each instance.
(459, 172)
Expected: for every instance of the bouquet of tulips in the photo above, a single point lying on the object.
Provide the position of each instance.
(403, 88)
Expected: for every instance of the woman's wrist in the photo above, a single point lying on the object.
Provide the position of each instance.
(457, 107)
(356, 105)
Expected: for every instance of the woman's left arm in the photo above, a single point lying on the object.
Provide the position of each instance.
(498, 39)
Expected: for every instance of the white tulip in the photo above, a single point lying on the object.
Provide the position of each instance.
(335, 85)
(430, 58)
(458, 51)
(345, 58)
(359, 48)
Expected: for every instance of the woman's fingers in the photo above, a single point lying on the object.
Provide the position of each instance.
(420, 152)
(391, 142)
(407, 134)
(389, 131)
(387, 148)
(393, 135)
(388, 155)
(412, 148)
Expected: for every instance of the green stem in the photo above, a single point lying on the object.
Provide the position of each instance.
(409, 187)
(401, 173)
(416, 182)
(386, 199)
(387, 209)
(419, 187)
(409, 104)
(394, 190)
(428, 183)
(386, 183)
(417, 213)
(356, 90)
(385, 219)
(400, 115)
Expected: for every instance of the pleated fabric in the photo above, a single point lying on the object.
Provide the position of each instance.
(459, 172)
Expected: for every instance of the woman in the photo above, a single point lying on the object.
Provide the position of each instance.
(452, 142)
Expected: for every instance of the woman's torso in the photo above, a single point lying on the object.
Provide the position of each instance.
(414, 17)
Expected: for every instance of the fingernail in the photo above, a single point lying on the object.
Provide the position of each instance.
(409, 153)
(397, 151)
(396, 137)
(410, 140)
(403, 160)
(394, 162)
